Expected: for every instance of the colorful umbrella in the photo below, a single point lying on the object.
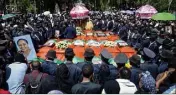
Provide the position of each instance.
(4, 17)
(79, 12)
(163, 16)
(146, 12)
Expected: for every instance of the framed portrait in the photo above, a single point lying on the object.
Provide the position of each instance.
(25, 46)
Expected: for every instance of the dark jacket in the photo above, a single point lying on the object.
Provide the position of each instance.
(86, 88)
(135, 76)
(49, 67)
(163, 66)
(81, 64)
(110, 25)
(48, 84)
(70, 33)
(151, 67)
(113, 73)
(75, 73)
(154, 47)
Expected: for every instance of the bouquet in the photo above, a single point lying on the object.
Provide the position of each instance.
(63, 44)
(109, 44)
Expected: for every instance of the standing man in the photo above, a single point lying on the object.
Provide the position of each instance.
(148, 55)
(35, 76)
(15, 73)
(88, 56)
(86, 86)
(49, 66)
(75, 71)
(70, 32)
(105, 66)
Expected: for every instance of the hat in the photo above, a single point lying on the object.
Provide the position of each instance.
(149, 53)
(121, 58)
(166, 54)
(89, 52)
(69, 52)
(51, 54)
(135, 59)
(104, 53)
(167, 43)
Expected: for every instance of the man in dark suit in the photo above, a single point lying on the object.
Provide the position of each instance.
(153, 44)
(148, 55)
(113, 72)
(86, 86)
(110, 24)
(88, 56)
(75, 71)
(70, 32)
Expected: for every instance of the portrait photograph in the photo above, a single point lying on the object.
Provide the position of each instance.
(25, 46)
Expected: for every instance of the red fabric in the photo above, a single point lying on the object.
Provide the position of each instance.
(2, 91)
(79, 50)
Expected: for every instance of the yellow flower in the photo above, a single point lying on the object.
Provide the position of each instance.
(128, 65)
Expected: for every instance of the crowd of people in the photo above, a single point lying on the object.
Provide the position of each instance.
(152, 68)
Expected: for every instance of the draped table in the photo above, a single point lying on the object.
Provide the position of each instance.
(79, 50)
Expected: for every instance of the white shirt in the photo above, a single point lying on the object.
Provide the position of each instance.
(15, 73)
(126, 86)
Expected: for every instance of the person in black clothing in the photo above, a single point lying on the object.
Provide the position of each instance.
(88, 56)
(48, 84)
(105, 67)
(75, 71)
(49, 66)
(148, 56)
(135, 69)
(104, 74)
(112, 87)
(86, 86)
(62, 79)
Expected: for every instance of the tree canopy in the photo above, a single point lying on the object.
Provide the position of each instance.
(39, 6)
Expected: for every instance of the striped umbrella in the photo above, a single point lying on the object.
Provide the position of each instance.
(79, 12)
(146, 12)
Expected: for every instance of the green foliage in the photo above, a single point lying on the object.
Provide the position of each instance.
(23, 5)
(27, 5)
(31, 9)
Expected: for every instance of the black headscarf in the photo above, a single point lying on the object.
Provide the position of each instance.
(112, 87)
(62, 76)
